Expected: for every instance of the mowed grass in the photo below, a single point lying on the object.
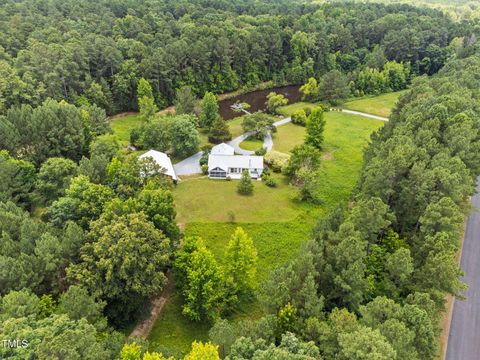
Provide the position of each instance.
(251, 144)
(287, 137)
(276, 221)
(123, 126)
(381, 105)
(235, 126)
(201, 199)
(289, 110)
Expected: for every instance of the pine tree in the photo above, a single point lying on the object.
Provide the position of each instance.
(315, 128)
(209, 114)
(245, 186)
(219, 132)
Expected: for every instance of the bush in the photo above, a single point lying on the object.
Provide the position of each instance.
(270, 181)
(276, 160)
(245, 186)
(299, 118)
(204, 159)
(205, 169)
(260, 152)
(308, 110)
(135, 137)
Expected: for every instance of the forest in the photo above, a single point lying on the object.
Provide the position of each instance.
(89, 233)
(88, 52)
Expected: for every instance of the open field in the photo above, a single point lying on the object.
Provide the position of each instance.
(381, 105)
(276, 221)
(123, 126)
(287, 137)
(204, 200)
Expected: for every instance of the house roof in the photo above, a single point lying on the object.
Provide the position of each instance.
(235, 161)
(163, 160)
(222, 149)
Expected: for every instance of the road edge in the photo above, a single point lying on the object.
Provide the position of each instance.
(446, 320)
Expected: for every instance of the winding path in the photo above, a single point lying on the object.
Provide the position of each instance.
(190, 165)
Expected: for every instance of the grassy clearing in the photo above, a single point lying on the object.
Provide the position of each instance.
(203, 200)
(235, 126)
(277, 223)
(251, 144)
(288, 110)
(287, 137)
(173, 333)
(123, 126)
(381, 105)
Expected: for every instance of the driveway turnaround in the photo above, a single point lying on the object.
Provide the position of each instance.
(464, 337)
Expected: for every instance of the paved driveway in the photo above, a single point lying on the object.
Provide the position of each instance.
(189, 166)
(464, 337)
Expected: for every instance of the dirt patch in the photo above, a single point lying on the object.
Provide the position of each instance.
(328, 156)
(120, 115)
(144, 328)
(168, 110)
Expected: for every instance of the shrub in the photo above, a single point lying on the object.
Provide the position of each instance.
(270, 181)
(299, 118)
(205, 169)
(260, 152)
(204, 159)
(231, 217)
(245, 186)
(276, 160)
(135, 137)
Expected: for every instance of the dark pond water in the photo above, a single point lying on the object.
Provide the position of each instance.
(257, 99)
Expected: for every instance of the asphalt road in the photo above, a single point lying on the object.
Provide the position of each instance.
(464, 337)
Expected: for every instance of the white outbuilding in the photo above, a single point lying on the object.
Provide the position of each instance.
(162, 160)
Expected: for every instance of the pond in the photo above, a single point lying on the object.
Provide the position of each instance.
(257, 99)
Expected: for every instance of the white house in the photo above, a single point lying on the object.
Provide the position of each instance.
(222, 149)
(162, 160)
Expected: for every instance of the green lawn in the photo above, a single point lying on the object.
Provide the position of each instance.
(235, 126)
(381, 105)
(288, 110)
(287, 137)
(204, 200)
(251, 144)
(277, 223)
(122, 127)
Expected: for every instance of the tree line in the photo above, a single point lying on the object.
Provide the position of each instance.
(66, 50)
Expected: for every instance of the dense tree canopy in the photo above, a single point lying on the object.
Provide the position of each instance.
(66, 50)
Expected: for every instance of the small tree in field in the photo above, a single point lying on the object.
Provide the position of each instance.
(315, 128)
(245, 186)
(241, 263)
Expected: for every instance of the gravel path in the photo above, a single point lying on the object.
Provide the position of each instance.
(364, 114)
